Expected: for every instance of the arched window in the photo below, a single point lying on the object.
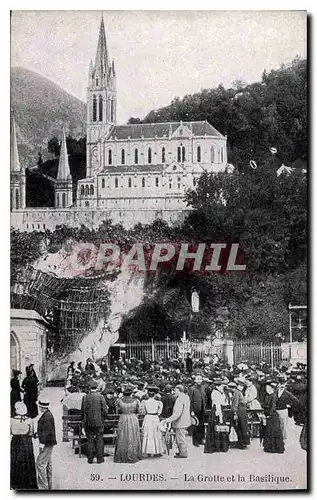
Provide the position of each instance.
(86, 203)
(179, 154)
(198, 154)
(92, 190)
(136, 156)
(122, 156)
(163, 155)
(82, 190)
(221, 159)
(100, 108)
(130, 182)
(116, 182)
(156, 182)
(183, 154)
(109, 156)
(17, 199)
(111, 109)
(94, 108)
(97, 81)
(143, 182)
(103, 184)
(212, 154)
(57, 200)
(149, 155)
(87, 190)
(178, 182)
(63, 200)
(170, 184)
(194, 181)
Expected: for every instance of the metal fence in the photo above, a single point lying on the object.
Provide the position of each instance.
(157, 351)
(269, 352)
(242, 351)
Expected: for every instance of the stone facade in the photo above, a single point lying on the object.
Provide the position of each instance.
(28, 342)
(135, 173)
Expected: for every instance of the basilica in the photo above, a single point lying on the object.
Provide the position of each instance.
(134, 173)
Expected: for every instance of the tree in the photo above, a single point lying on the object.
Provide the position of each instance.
(54, 147)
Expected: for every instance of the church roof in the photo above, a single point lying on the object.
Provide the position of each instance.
(122, 169)
(152, 130)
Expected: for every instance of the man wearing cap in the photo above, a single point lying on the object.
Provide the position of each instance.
(94, 413)
(180, 420)
(47, 438)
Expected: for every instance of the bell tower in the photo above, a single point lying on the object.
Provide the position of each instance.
(101, 103)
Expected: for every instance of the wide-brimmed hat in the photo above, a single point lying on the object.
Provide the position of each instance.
(128, 389)
(232, 385)
(153, 388)
(271, 382)
(163, 426)
(20, 408)
(194, 420)
(218, 381)
(44, 402)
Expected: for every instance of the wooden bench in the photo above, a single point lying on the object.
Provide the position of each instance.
(77, 439)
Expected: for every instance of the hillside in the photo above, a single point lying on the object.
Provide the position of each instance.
(41, 108)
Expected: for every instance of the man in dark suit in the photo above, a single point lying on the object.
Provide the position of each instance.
(94, 413)
(198, 406)
(47, 438)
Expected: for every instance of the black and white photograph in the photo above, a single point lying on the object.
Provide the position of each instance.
(158, 250)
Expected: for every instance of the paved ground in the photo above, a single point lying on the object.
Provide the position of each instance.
(236, 469)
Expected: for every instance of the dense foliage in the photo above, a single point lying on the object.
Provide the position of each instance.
(255, 117)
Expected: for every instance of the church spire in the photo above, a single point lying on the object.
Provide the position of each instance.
(15, 160)
(63, 166)
(102, 58)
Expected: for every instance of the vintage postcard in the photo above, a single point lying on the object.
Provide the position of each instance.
(158, 185)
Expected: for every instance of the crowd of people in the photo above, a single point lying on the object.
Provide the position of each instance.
(209, 400)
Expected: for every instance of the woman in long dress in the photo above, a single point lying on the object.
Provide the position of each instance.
(152, 437)
(22, 473)
(273, 436)
(128, 444)
(15, 394)
(30, 387)
(217, 436)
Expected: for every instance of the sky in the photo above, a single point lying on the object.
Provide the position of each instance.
(158, 54)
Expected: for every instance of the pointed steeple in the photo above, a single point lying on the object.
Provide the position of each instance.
(15, 160)
(63, 166)
(102, 59)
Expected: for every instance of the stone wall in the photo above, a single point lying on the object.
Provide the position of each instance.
(40, 219)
